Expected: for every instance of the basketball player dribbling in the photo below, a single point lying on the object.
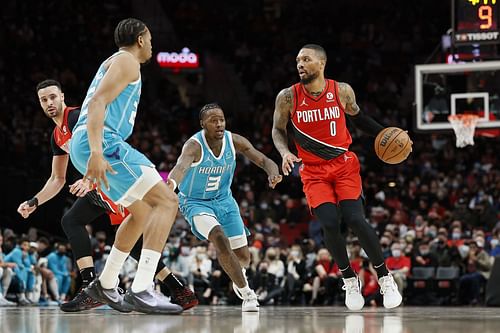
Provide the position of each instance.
(99, 151)
(330, 173)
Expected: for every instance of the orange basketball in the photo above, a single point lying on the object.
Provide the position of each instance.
(392, 145)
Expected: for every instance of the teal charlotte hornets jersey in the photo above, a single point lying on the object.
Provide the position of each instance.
(211, 176)
(120, 113)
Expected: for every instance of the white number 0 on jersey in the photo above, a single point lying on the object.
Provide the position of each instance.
(213, 183)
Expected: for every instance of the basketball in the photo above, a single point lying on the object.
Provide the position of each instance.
(393, 145)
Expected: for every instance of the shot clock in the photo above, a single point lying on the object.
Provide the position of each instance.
(476, 22)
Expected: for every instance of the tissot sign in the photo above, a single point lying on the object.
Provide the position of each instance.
(178, 60)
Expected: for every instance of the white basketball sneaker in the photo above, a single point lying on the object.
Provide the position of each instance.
(353, 298)
(250, 302)
(389, 289)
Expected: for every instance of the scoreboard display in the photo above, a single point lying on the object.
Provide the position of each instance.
(476, 22)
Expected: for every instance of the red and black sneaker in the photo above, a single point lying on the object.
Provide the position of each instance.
(82, 301)
(185, 298)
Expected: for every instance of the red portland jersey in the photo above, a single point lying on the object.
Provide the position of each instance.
(319, 124)
(62, 135)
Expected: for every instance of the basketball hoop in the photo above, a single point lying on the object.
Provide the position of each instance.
(464, 126)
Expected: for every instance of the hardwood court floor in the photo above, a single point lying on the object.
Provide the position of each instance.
(221, 319)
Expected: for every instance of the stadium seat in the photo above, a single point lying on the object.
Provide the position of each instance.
(447, 283)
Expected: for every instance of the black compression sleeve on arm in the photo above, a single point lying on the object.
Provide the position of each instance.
(366, 124)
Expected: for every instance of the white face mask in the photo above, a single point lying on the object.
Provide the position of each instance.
(396, 253)
(494, 243)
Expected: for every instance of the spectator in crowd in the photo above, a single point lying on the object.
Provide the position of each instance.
(296, 274)
(424, 257)
(19, 256)
(59, 264)
(201, 270)
(495, 244)
(399, 265)
(326, 279)
(446, 254)
(266, 283)
(478, 268)
(5, 277)
(49, 282)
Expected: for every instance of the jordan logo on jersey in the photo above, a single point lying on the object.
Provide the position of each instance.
(304, 102)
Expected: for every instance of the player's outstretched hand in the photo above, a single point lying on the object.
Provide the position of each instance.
(25, 209)
(80, 187)
(97, 167)
(288, 161)
(274, 180)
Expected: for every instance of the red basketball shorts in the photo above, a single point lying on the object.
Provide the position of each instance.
(116, 213)
(332, 181)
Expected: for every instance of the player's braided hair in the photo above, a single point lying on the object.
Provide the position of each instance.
(208, 107)
(128, 30)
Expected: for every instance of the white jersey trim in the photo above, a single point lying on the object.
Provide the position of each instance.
(210, 150)
(231, 143)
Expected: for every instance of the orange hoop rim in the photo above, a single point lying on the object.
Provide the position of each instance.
(466, 119)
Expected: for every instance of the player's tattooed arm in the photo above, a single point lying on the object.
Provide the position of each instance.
(243, 146)
(361, 120)
(191, 153)
(348, 99)
(283, 109)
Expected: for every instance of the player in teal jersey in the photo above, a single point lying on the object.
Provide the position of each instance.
(204, 172)
(99, 151)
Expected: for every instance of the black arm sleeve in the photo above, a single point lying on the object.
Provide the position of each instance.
(56, 150)
(366, 124)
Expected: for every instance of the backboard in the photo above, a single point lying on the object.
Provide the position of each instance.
(448, 89)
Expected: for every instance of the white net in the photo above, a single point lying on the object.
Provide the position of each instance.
(464, 126)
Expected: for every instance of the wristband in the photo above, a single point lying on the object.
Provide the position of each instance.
(173, 181)
(33, 202)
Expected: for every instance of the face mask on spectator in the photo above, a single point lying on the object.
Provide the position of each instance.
(272, 257)
(424, 252)
(396, 253)
(494, 243)
(201, 256)
(432, 233)
(456, 235)
(295, 253)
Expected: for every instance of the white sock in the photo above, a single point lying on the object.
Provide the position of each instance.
(114, 263)
(146, 270)
(245, 290)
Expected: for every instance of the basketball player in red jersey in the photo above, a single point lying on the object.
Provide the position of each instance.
(330, 173)
(89, 205)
